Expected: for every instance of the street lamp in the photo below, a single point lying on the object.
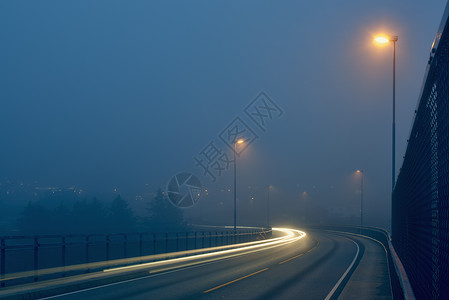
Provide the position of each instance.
(237, 141)
(361, 197)
(383, 40)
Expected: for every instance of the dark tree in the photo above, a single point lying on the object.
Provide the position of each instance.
(121, 217)
(163, 216)
(35, 219)
(89, 216)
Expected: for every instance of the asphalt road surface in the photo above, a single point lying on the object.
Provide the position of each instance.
(296, 265)
(317, 266)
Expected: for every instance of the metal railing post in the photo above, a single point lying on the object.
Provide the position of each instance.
(107, 246)
(140, 244)
(2, 260)
(86, 252)
(125, 242)
(195, 240)
(154, 243)
(63, 254)
(36, 257)
(166, 242)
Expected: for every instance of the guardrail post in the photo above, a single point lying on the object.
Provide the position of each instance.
(107, 246)
(36, 257)
(154, 243)
(125, 242)
(63, 254)
(2, 260)
(87, 252)
(140, 244)
(166, 242)
(195, 240)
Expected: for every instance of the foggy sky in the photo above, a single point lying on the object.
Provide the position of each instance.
(119, 94)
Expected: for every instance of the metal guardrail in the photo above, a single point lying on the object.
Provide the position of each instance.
(21, 254)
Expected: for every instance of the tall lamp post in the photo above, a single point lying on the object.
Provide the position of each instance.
(361, 197)
(382, 40)
(237, 141)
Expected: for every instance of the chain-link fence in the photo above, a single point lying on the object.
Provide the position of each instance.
(420, 208)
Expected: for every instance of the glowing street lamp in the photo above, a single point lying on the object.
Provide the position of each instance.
(237, 141)
(383, 40)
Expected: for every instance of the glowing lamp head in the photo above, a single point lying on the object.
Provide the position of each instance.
(358, 171)
(240, 141)
(382, 40)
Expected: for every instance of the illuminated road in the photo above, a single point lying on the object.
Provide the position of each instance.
(294, 266)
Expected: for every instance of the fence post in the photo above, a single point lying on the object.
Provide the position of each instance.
(87, 252)
(63, 249)
(140, 244)
(125, 241)
(2, 260)
(154, 243)
(107, 246)
(202, 239)
(187, 241)
(195, 240)
(177, 241)
(166, 242)
(36, 257)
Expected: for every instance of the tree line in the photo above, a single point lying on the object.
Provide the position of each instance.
(90, 216)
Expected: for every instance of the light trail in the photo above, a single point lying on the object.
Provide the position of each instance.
(291, 235)
(170, 260)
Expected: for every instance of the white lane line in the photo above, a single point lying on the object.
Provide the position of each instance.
(346, 273)
(129, 280)
(274, 243)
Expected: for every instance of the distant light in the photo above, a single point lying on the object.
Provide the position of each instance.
(358, 171)
(381, 40)
(240, 141)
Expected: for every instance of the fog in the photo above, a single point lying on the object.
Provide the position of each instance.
(108, 98)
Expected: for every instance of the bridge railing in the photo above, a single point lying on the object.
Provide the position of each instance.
(26, 255)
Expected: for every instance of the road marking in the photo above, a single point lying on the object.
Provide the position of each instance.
(301, 254)
(273, 243)
(235, 280)
(130, 280)
(291, 258)
(346, 273)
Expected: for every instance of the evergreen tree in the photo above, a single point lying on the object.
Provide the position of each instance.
(121, 217)
(163, 216)
(34, 219)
